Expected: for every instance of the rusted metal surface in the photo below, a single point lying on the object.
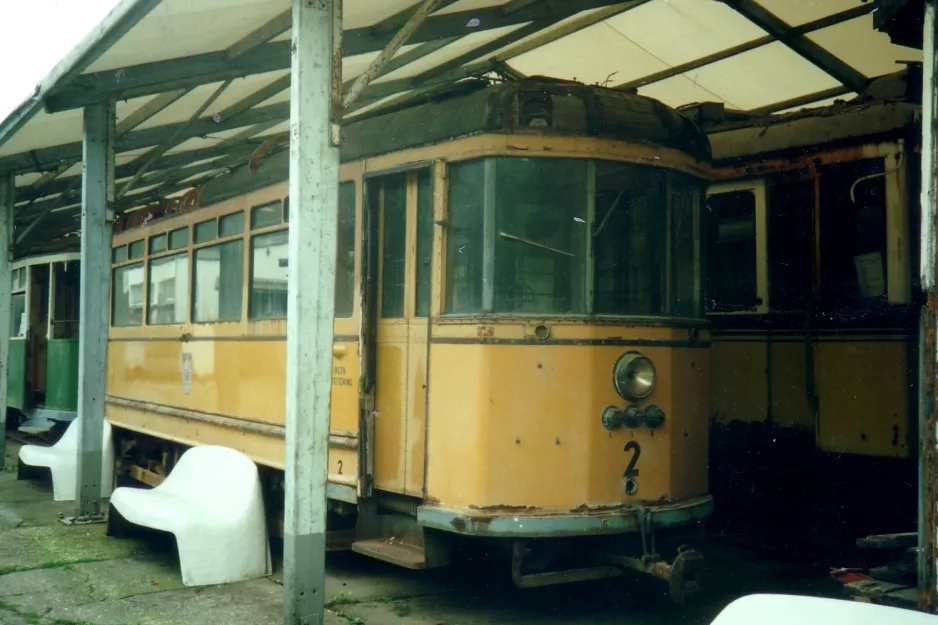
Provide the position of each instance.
(928, 450)
(793, 134)
(536, 580)
(583, 521)
(805, 160)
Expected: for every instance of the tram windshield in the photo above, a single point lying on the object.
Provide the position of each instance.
(572, 237)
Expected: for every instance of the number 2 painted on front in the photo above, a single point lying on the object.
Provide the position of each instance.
(636, 450)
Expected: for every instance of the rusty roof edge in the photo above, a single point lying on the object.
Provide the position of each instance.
(861, 120)
(124, 16)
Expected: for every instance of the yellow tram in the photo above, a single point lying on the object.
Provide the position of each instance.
(812, 290)
(520, 350)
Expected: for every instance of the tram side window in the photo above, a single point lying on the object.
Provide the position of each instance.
(18, 316)
(127, 287)
(424, 241)
(685, 196)
(731, 251)
(791, 243)
(168, 290)
(394, 247)
(269, 256)
(345, 252)
(465, 241)
(853, 233)
(218, 282)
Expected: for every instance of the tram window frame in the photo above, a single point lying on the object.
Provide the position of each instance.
(348, 207)
(234, 243)
(134, 319)
(205, 231)
(257, 211)
(153, 288)
(761, 260)
(18, 301)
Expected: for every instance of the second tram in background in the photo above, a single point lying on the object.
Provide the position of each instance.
(42, 376)
(812, 289)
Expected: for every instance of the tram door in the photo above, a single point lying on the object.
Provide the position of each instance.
(401, 231)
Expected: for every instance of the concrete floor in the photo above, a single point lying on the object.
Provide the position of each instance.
(53, 574)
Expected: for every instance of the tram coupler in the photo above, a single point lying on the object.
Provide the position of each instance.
(683, 575)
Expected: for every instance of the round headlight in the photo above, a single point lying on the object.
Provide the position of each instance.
(634, 376)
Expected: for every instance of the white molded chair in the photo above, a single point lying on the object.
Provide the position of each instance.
(770, 609)
(62, 460)
(211, 502)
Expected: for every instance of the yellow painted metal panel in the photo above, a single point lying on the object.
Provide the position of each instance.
(235, 378)
(520, 426)
(737, 380)
(863, 390)
(790, 407)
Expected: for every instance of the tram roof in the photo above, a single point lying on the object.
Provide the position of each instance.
(164, 59)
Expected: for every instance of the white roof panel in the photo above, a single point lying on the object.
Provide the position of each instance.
(875, 57)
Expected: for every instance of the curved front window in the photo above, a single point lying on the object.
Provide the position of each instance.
(548, 236)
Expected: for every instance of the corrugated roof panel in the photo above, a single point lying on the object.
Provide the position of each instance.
(178, 28)
(679, 31)
(183, 108)
(593, 55)
(876, 56)
(461, 46)
(760, 77)
(799, 12)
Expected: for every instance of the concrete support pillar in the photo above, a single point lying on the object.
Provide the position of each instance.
(7, 193)
(96, 231)
(314, 172)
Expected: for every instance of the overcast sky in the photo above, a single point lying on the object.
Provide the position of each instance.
(34, 36)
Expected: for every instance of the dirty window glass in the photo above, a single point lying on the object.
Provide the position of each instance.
(127, 287)
(218, 282)
(540, 235)
(168, 290)
(269, 256)
(394, 251)
(206, 231)
(685, 293)
(266, 215)
(158, 244)
(230, 225)
(424, 241)
(731, 252)
(345, 252)
(464, 238)
(179, 238)
(18, 316)
(136, 249)
(119, 254)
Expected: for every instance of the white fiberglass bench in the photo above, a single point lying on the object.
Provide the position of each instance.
(62, 460)
(211, 502)
(768, 609)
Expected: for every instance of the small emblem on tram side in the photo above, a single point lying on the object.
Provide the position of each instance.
(186, 373)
